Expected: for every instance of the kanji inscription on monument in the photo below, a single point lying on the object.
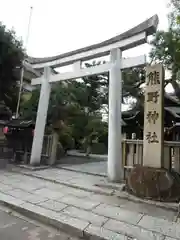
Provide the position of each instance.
(154, 117)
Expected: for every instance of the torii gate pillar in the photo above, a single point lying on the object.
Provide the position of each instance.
(115, 168)
(41, 118)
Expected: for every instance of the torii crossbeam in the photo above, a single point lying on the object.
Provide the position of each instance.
(113, 47)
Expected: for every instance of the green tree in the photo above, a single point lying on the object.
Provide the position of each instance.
(174, 14)
(72, 106)
(166, 50)
(133, 92)
(166, 47)
(29, 108)
(11, 56)
(75, 107)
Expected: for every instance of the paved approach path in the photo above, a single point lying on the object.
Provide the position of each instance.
(83, 212)
(94, 168)
(15, 227)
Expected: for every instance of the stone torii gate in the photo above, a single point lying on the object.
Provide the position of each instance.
(114, 46)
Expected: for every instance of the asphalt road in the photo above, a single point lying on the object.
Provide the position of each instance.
(17, 227)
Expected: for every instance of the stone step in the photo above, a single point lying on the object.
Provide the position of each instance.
(83, 213)
(103, 188)
(61, 221)
(103, 222)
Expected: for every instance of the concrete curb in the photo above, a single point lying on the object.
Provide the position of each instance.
(164, 205)
(93, 156)
(32, 168)
(88, 232)
(44, 219)
(79, 171)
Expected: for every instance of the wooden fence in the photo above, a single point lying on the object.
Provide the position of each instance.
(132, 153)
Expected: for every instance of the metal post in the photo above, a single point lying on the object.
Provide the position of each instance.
(22, 68)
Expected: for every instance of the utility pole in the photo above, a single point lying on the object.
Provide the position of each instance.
(22, 67)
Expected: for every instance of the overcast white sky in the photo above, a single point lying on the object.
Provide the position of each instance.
(59, 26)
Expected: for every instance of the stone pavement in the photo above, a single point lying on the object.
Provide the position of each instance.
(73, 178)
(81, 212)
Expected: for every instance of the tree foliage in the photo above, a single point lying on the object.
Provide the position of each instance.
(74, 108)
(174, 14)
(11, 56)
(133, 80)
(166, 47)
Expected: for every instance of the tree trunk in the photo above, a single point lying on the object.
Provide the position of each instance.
(52, 159)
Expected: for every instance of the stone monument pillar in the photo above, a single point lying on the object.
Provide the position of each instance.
(153, 180)
(154, 117)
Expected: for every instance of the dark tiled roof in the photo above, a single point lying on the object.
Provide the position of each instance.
(28, 67)
(20, 123)
(172, 98)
